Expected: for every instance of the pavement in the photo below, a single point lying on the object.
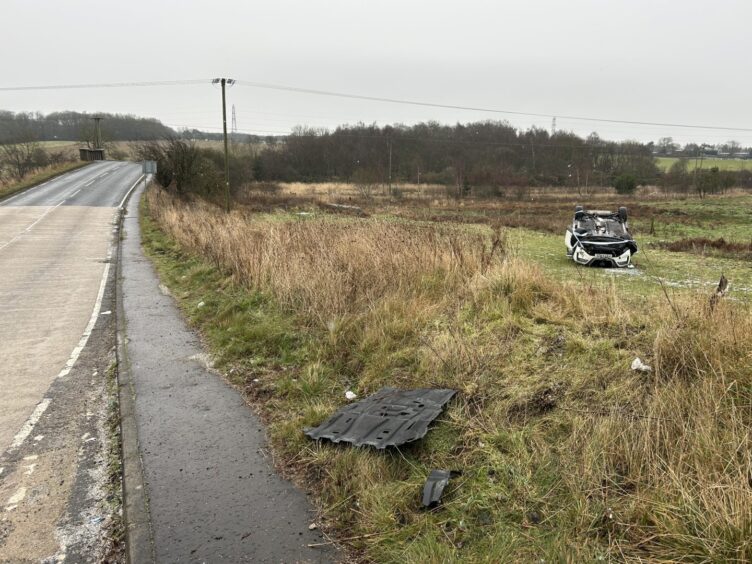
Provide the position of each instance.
(57, 339)
(211, 490)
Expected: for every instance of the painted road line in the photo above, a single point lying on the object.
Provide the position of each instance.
(128, 193)
(22, 233)
(61, 202)
(92, 321)
(28, 426)
(42, 406)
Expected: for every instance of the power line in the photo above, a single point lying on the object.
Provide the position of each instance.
(105, 85)
(301, 90)
(477, 108)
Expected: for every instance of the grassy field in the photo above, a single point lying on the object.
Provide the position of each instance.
(664, 163)
(565, 453)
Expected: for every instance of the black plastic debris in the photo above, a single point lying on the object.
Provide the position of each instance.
(390, 417)
(435, 484)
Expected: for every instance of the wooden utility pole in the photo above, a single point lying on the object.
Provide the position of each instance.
(223, 82)
(390, 166)
(97, 132)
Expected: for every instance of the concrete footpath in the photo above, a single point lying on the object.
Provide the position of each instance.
(211, 494)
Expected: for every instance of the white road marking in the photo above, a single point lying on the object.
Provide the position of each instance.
(42, 406)
(92, 321)
(128, 193)
(28, 427)
(40, 218)
(67, 176)
(90, 182)
(60, 203)
(16, 498)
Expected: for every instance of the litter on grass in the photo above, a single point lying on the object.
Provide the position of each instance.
(434, 487)
(640, 366)
(390, 417)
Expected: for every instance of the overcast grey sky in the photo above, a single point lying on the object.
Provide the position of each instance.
(645, 60)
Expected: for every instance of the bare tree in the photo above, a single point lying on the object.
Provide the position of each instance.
(365, 180)
(734, 147)
(20, 156)
(666, 145)
(179, 161)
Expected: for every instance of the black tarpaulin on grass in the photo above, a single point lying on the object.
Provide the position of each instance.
(390, 417)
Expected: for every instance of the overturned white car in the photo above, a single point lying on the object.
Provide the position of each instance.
(600, 238)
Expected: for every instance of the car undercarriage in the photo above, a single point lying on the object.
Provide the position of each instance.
(600, 238)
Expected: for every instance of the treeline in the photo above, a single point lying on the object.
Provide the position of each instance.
(666, 147)
(703, 181)
(476, 154)
(199, 135)
(77, 126)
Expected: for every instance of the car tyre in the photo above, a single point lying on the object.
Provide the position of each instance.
(623, 213)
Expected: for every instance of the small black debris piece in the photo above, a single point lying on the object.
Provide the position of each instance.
(720, 291)
(390, 417)
(435, 484)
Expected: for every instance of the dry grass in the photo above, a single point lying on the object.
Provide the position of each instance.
(705, 245)
(14, 186)
(566, 453)
(320, 268)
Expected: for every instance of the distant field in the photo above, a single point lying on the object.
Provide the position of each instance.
(664, 163)
(57, 144)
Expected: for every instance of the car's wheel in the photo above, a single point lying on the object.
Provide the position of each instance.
(578, 207)
(623, 213)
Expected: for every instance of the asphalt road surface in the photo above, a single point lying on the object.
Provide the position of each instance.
(55, 293)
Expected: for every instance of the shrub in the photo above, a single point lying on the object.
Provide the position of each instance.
(625, 184)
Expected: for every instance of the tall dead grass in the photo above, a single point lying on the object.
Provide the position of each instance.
(549, 417)
(328, 268)
(676, 472)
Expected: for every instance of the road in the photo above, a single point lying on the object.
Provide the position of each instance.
(55, 278)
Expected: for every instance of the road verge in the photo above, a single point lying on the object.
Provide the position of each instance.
(138, 533)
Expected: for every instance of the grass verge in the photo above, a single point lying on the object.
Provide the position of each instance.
(114, 484)
(565, 453)
(33, 179)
